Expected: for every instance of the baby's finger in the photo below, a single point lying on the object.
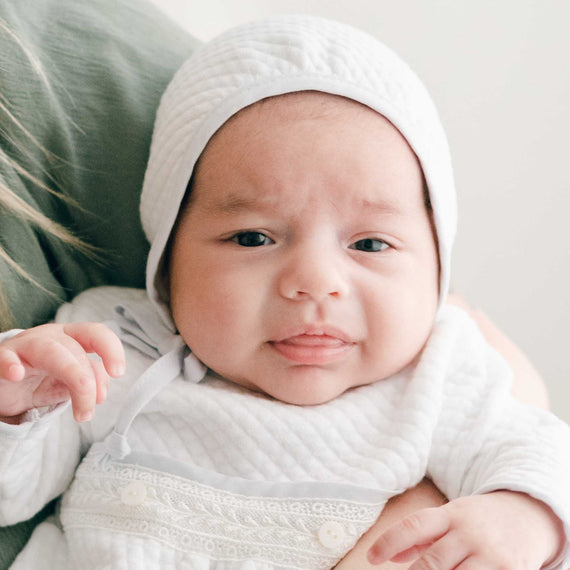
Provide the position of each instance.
(419, 528)
(99, 339)
(59, 359)
(50, 393)
(445, 554)
(83, 398)
(101, 379)
(11, 367)
(60, 362)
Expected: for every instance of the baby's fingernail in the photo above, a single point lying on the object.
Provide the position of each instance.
(14, 370)
(118, 369)
(84, 417)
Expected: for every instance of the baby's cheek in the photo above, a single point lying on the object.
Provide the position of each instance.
(391, 345)
(214, 335)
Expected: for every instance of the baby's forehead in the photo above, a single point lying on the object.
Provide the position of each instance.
(313, 108)
(303, 104)
(293, 141)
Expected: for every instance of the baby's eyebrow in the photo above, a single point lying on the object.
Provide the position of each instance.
(235, 204)
(381, 206)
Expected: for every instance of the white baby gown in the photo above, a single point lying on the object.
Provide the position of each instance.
(185, 470)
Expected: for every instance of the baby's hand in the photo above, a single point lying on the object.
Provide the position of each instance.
(48, 364)
(503, 529)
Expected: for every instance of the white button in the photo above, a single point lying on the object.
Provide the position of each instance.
(331, 534)
(133, 494)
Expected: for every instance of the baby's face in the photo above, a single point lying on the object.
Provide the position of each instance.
(305, 263)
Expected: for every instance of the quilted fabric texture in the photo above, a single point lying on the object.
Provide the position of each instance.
(272, 57)
(218, 472)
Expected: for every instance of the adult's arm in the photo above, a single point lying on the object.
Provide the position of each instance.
(528, 387)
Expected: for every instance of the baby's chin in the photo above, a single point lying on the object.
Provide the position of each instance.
(306, 392)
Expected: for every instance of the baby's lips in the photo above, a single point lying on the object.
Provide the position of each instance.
(314, 333)
(312, 352)
(316, 341)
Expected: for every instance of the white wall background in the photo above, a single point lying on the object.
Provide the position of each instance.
(500, 75)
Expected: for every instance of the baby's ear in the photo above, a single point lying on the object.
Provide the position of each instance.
(162, 280)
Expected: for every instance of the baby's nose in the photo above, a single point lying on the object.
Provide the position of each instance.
(316, 276)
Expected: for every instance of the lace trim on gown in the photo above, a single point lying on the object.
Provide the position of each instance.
(194, 518)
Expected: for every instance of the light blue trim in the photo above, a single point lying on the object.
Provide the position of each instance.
(252, 488)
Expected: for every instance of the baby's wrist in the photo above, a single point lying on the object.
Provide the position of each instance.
(13, 420)
(31, 415)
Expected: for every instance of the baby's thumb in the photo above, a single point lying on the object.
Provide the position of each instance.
(11, 367)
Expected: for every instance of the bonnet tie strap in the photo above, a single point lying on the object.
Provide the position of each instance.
(173, 356)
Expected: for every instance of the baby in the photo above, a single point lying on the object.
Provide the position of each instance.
(300, 207)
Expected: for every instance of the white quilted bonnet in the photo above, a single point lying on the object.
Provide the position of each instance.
(272, 57)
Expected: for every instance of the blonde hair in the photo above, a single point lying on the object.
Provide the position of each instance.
(11, 203)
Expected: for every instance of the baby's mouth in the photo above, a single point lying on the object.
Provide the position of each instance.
(313, 348)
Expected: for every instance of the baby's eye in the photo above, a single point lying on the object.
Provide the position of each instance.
(251, 239)
(370, 245)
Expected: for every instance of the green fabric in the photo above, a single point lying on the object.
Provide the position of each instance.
(87, 96)
(107, 63)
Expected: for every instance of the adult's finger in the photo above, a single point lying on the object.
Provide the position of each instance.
(445, 554)
(419, 528)
(472, 563)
